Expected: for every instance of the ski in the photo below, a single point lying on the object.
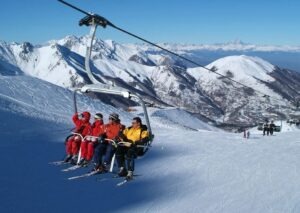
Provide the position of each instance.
(71, 168)
(124, 181)
(84, 175)
(58, 163)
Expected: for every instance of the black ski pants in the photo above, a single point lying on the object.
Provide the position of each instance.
(127, 154)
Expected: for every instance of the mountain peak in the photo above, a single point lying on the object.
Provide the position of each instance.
(244, 68)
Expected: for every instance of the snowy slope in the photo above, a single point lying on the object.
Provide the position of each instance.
(39, 99)
(191, 171)
(163, 80)
(242, 104)
(244, 69)
(53, 63)
(178, 118)
(185, 170)
(251, 71)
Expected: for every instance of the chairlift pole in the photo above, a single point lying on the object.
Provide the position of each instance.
(89, 52)
(93, 20)
(75, 101)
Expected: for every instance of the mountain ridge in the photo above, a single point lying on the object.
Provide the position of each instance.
(162, 79)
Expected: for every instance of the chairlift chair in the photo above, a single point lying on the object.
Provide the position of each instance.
(97, 87)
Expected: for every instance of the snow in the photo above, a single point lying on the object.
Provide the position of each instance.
(250, 71)
(179, 118)
(184, 171)
(160, 78)
(245, 69)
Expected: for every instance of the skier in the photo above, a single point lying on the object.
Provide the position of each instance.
(106, 147)
(88, 145)
(266, 128)
(82, 127)
(272, 127)
(248, 134)
(134, 135)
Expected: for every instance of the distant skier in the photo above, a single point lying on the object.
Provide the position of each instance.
(272, 127)
(244, 133)
(105, 148)
(136, 134)
(82, 127)
(88, 145)
(248, 134)
(266, 128)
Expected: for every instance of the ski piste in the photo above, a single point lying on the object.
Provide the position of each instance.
(58, 163)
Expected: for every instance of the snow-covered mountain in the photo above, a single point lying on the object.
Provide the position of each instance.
(184, 171)
(239, 103)
(162, 79)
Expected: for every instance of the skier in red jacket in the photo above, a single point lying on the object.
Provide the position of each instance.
(82, 127)
(88, 145)
(105, 148)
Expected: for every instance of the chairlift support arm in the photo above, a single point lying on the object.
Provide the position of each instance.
(105, 89)
(94, 20)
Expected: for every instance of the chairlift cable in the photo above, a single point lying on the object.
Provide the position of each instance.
(104, 22)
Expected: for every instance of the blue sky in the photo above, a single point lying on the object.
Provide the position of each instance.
(184, 21)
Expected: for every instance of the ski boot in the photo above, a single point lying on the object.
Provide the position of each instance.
(105, 167)
(68, 158)
(97, 168)
(122, 172)
(85, 163)
(74, 159)
(129, 175)
(81, 161)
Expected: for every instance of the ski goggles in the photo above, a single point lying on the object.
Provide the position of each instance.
(98, 117)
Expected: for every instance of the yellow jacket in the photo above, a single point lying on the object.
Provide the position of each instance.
(135, 134)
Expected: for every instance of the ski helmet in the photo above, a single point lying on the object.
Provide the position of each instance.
(114, 116)
(98, 116)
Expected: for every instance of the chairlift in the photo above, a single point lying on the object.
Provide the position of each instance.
(93, 21)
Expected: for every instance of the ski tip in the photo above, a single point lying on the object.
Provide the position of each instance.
(126, 180)
(72, 178)
(121, 183)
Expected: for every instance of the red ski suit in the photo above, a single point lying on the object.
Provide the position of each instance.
(87, 147)
(112, 130)
(83, 127)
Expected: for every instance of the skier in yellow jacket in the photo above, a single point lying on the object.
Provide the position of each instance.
(132, 136)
